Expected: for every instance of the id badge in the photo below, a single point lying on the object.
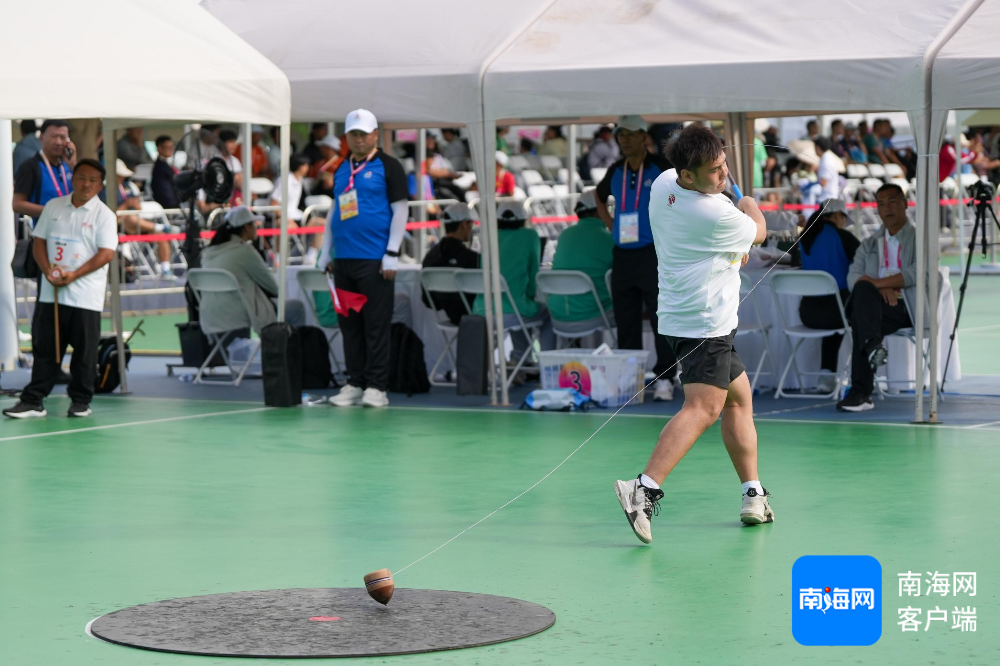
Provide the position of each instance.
(348, 204)
(628, 228)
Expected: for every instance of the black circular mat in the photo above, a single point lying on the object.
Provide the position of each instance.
(322, 622)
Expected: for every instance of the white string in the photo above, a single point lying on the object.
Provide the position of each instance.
(599, 429)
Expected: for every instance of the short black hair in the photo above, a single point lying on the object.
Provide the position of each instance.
(227, 135)
(28, 127)
(88, 161)
(296, 161)
(316, 126)
(452, 227)
(836, 121)
(888, 187)
(162, 139)
(693, 146)
(53, 122)
(812, 122)
(823, 143)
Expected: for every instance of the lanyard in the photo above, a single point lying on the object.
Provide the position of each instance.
(355, 172)
(638, 185)
(52, 175)
(121, 191)
(899, 258)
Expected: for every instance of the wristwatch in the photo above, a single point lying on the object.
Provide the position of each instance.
(392, 253)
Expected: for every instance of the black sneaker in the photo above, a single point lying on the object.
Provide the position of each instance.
(877, 357)
(79, 409)
(854, 401)
(23, 410)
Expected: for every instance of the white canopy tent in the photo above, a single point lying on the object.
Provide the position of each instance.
(208, 74)
(410, 66)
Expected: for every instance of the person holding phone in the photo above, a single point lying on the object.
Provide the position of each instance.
(48, 175)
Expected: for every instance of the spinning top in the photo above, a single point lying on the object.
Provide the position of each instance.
(380, 586)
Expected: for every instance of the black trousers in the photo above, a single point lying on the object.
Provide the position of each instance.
(822, 312)
(634, 284)
(77, 327)
(366, 333)
(871, 320)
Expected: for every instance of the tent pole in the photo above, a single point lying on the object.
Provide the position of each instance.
(286, 142)
(921, 252)
(420, 168)
(111, 194)
(489, 129)
(571, 161)
(247, 154)
(9, 347)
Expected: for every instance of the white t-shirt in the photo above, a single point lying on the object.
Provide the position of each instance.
(294, 196)
(700, 241)
(889, 254)
(73, 236)
(828, 171)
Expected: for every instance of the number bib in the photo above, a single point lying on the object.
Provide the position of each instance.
(60, 254)
(628, 228)
(348, 204)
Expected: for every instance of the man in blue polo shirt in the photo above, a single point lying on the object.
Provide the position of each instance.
(361, 248)
(47, 175)
(633, 267)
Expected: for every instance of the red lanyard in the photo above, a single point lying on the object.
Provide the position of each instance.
(355, 172)
(52, 175)
(638, 185)
(899, 257)
(121, 190)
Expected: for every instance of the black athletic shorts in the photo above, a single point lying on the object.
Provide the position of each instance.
(707, 360)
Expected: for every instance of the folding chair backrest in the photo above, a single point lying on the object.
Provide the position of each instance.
(517, 163)
(804, 283)
(552, 163)
(470, 281)
(531, 177)
(260, 186)
(312, 280)
(439, 279)
(215, 281)
(564, 283)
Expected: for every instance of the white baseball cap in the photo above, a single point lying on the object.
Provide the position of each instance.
(512, 211)
(633, 123)
(502, 158)
(362, 120)
(586, 202)
(458, 212)
(330, 141)
(121, 169)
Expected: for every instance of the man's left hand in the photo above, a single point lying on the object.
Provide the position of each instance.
(743, 262)
(65, 277)
(389, 266)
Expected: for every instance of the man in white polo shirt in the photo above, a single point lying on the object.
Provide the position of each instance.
(75, 238)
(701, 240)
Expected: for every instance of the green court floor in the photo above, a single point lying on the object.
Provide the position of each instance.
(155, 499)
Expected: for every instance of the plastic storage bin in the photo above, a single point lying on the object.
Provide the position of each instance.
(609, 379)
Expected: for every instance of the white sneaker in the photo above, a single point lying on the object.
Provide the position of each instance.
(756, 509)
(827, 383)
(375, 398)
(639, 504)
(349, 395)
(663, 390)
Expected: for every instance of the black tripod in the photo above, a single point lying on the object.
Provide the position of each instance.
(982, 196)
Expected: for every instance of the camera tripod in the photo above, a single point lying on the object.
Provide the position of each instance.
(982, 196)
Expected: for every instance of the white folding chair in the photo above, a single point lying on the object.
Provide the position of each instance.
(517, 163)
(908, 333)
(877, 171)
(807, 283)
(531, 177)
(760, 327)
(551, 165)
(218, 281)
(470, 281)
(441, 281)
(893, 170)
(857, 171)
(597, 174)
(573, 283)
(312, 280)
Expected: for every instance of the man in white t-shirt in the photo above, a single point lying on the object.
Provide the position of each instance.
(828, 171)
(75, 238)
(701, 242)
(298, 167)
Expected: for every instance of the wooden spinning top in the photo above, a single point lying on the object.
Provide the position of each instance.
(380, 585)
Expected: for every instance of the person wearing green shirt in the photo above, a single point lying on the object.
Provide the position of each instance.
(520, 251)
(586, 246)
(759, 158)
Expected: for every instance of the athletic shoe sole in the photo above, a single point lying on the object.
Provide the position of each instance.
(77, 415)
(353, 403)
(863, 407)
(756, 518)
(622, 490)
(26, 415)
(374, 405)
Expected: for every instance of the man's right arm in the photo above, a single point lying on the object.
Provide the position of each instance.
(748, 206)
(602, 194)
(22, 206)
(24, 185)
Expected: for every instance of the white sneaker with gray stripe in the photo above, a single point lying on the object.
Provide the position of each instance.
(756, 508)
(639, 504)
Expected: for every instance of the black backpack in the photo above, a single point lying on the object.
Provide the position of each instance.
(407, 369)
(316, 371)
(108, 376)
